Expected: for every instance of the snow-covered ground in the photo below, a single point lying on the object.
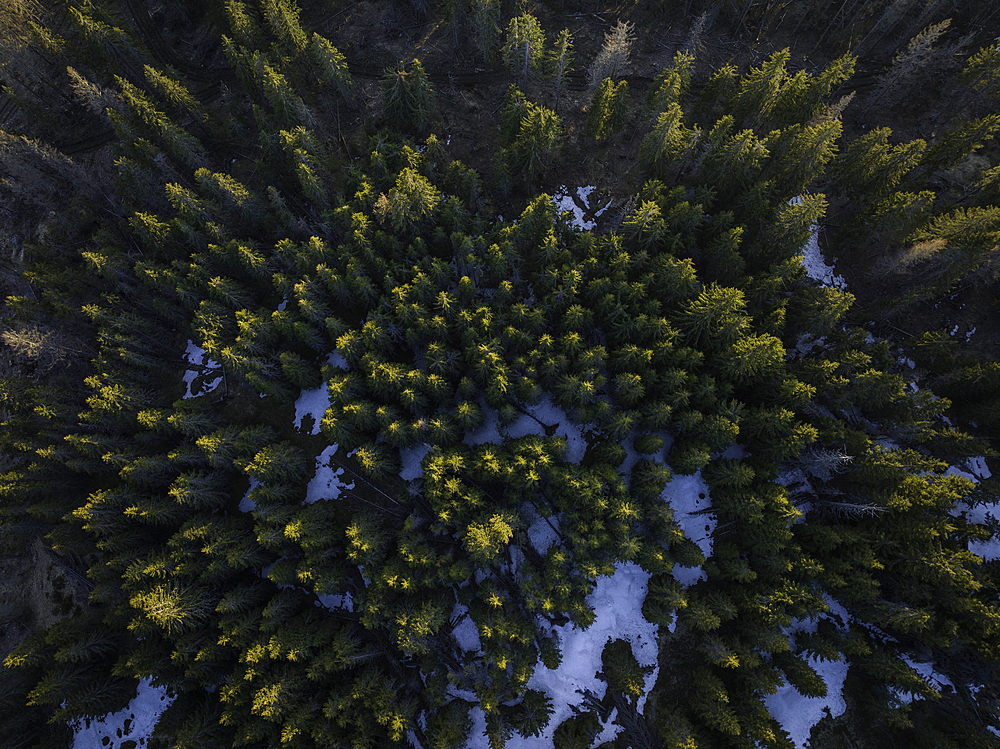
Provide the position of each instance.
(326, 483)
(796, 713)
(617, 604)
(247, 504)
(202, 375)
(578, 203)
(131, 725)
(312, 403)
(815, 264)
(688, 495)
(977, 470)
(544, 414)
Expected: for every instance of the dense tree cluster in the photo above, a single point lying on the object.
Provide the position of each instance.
(686, 339)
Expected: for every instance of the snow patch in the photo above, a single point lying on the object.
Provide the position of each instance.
(337, 601)
(617, 604)
(798, 714)
(465, 632)
(410, 459)
(202, 374)
(334, 359)
(928, 673)
(312, 403)
(247, 504)
(543, 532)
(688, 496)
(131, 725)
(544, 415)
(813, 261)
(325, 483)
(579, 205)
(488, 432)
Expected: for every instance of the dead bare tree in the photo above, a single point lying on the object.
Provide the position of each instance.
(612, 61)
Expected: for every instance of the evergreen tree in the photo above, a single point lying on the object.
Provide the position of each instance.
(408, 97)
(560, 62)
(486, 23)
(608, 109)
(522, 52)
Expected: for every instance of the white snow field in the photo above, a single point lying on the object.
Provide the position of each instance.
(688, 495)
(796, 713)
(134, 723)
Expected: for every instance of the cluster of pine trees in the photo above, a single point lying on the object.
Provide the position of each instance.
(237, 222)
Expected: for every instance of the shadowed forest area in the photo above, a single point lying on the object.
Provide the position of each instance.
(478, 373)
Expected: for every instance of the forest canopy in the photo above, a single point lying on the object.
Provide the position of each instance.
(345, 430)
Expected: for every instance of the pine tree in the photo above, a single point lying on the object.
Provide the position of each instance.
(802, 155)
(175, 94)
(408, 97)
(537, 140)
(522, 52)
(672, 84)
(282, 17)
(412, 201)
(801, 97)
(760, 90)
(331, 66)
(872, 167)
(608, 109)
(560, 62)
(665, 150)
(486, 23)
(982, 72)
(952, 147)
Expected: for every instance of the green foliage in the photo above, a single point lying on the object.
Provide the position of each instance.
(522, 51)
(533, 132)
(608, 109)
(408, 99)
(437, 333)
(560, 61)
(486, 23)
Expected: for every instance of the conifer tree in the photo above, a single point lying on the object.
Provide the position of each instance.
(331, 66)
(538, 134)
(760, 90)
(486, 23)
(663, 151)
(982, 72)
(871, 166)
(560, 61)
(608, 109)
(408, 97)
(522, 52)
(672, 84)
(952, 147)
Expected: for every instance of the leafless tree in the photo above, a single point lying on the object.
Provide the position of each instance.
(612, 61)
